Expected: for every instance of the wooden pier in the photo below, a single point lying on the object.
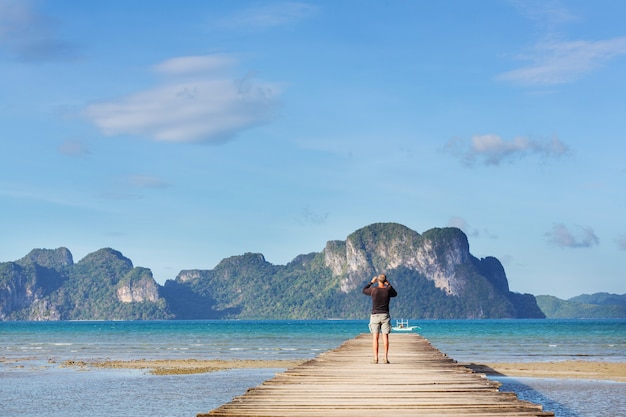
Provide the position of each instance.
(419, 381)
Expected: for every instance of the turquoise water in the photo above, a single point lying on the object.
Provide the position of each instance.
(33, 384)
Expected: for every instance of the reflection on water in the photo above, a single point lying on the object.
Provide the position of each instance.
(570, 397)
(122, 393)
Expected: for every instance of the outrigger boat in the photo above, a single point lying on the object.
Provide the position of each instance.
(403, 326)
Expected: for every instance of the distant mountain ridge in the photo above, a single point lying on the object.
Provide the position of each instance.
(434, 272)
(585, 306)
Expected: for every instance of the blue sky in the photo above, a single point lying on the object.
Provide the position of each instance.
(181, 133)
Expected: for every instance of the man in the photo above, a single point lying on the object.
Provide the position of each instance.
(380, 321)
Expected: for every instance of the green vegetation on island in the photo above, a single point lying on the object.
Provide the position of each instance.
(435, 275)
(585, 306)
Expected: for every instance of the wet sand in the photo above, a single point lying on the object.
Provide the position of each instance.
(183, 366)
(613, 371)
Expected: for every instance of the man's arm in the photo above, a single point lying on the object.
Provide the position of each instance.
(367, 290)
(392, 291)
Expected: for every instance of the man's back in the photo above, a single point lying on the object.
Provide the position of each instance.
(380, 298)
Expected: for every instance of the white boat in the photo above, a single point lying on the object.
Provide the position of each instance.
(403, 326)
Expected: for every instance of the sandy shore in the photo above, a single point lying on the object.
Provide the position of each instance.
(614, 371)
(183, 366)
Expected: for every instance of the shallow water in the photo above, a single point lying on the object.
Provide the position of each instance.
(123, 393)
(570, 397)
(32, 383)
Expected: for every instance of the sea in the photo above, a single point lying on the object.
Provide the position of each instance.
(33, 382)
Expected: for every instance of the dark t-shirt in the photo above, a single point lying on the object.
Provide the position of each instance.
(380, 297)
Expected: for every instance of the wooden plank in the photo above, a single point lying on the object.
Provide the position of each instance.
(420, 380)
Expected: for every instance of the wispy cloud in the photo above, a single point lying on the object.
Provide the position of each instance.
(195, 64)
(621, 242)
(269, 15)
(117, 195)
(47, 194)
(462, 224)
(31, 36)
(583, 237)
(491, 149)
(199, 101)
(128, 187)
(553, 58)
(556, 62)
(73, 147)
(548, 15)
(310, 216)
(147, 181)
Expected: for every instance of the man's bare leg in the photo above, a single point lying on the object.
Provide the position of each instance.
(386, 344)
(375, 346)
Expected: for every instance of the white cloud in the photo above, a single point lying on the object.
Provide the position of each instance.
(30, 36)
(195, 64)
(493, 150)
(195, 104)
(269, 15)
(557, 62)
(560, 235)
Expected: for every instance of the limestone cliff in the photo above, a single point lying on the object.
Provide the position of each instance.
(47, 285)
(434, 272)
(138, 286)
(474, 288)
(386, 246)
(19, 289)
(26, 283)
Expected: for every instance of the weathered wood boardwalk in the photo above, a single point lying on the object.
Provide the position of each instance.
(419, 381)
